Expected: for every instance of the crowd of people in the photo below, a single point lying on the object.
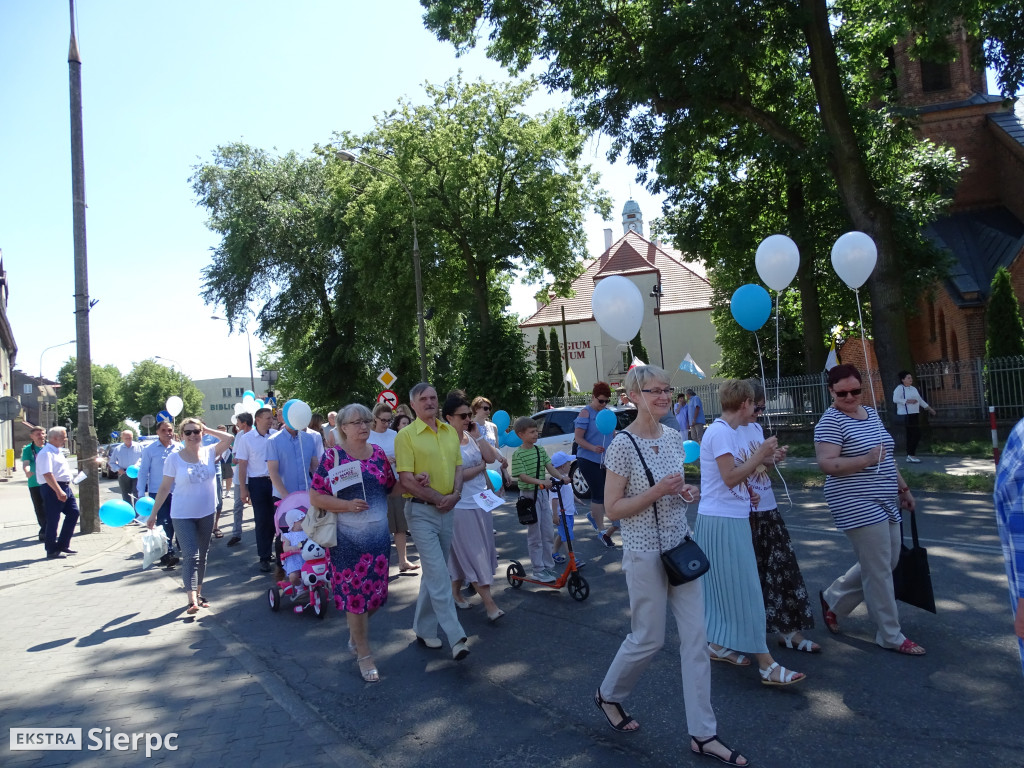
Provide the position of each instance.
(391, 474)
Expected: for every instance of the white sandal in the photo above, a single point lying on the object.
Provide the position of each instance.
(786, 676)
(727, 654)
(805, 645)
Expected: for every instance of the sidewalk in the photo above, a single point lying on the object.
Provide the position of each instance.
(948, 465)
(95, 642)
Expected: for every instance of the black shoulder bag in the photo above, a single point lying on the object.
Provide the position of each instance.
(685, 562)
(526, 507)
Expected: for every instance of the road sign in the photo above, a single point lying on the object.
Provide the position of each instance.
(148, 420)
(389, 397)
(164, 416)
(387, 378)
(10, 408)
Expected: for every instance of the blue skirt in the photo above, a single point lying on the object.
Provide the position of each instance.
(733, 606)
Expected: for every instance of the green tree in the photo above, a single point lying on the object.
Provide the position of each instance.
(148, 385)
(555, 366)
(1004, 327)
(495, 364)
(542, 385)
(108, 408)
(639, 350)
(651, 76)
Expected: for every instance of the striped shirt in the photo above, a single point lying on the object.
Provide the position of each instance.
(1009, 499)
(525, 461)
(872, 495)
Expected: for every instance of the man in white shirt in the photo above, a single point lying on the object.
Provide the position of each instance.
(243, 423)
(122, 456)
(251, 451)
(55, 476)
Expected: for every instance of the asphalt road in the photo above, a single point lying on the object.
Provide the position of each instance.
(524, 695)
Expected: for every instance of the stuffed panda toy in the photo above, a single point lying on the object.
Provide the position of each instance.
(314, 565)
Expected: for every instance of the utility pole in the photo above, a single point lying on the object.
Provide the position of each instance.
(89, 489)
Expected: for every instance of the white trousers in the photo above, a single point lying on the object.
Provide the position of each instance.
(540, 536)
(869, 581)
(432, 533)
(649, 596)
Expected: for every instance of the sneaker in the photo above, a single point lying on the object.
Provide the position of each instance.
(544, 576)
(559, 558)
(234, 541)
(913, 460)
(580, 563)
(265, 566)
(555, 575)
(607, 540)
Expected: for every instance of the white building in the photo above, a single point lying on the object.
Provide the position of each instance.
(220, 396)
(685, 312)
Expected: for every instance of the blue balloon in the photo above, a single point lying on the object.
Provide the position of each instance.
(495, 478)
(144, 506)
(284, 409)
(606, 422)
(751, 306)
(248, 393)
(132, 471)
(691, 451)
(501, 420)
(116, 513)
(511, 438)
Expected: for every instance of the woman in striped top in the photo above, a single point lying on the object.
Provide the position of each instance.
(865, 492)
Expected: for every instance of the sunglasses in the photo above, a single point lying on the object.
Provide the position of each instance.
(603, 400)
(842, 393)
(466, 415)
(190, 432)
(758, 408)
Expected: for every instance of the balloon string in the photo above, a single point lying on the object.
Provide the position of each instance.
(760, 359)
(871, 380)
(778, 349)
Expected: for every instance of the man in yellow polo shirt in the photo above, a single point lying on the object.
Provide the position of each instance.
(431, 446)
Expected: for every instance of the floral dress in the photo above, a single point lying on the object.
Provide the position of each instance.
(359, 561)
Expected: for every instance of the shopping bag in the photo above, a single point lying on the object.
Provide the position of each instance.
(911, 578)
(154, 546)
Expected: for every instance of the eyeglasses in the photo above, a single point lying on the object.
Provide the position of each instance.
(758, 408)
(466, 415)
(603, 400)
(385, 419)
(357, 422)
(190, 432)
(665, 391)
(850, 392)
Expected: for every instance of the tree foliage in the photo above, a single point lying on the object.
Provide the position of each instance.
(1004, 327)
(148, 385)
(107, 401)
(555, 365)
(321, 249)
(705, 94)
(542, 379)
(639, 351)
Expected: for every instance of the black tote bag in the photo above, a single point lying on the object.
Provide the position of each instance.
(911, 578)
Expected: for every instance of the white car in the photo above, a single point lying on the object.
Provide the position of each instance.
(557, 429)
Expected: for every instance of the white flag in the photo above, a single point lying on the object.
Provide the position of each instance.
(570, 379)
(833, 359)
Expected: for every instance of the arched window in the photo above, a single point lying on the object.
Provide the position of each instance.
(935, 76)
(955, 359)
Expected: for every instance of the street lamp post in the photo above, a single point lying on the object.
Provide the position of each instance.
(345, 155)
(248, 340)
(62, 344)
(656, 294)
(181, 375)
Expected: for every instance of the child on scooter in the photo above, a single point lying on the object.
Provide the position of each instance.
(562, 497)
(292, 542)
(528, 465)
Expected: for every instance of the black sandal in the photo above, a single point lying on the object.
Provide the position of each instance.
(731, 760)
(624, 719)
(202, 602)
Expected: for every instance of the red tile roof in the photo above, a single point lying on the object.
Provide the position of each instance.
(684, 285)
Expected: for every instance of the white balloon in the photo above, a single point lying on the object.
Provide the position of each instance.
(853, 258)
(618, 307)
(299, 415)
(777, 260)
(250, 406)
(239, 408)
(248, 399)
(174, 405)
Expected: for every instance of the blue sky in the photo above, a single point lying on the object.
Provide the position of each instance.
(163, 85)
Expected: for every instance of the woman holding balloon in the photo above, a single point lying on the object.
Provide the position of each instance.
(192, 473)
(474, 557)
(734, 611)
(593, 441)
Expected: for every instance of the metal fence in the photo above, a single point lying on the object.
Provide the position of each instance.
(959, 392)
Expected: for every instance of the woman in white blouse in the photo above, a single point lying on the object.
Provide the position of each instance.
(908, 405)
(653, 520)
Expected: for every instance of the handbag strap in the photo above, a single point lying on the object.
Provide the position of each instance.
(536, 488)
(650, 479)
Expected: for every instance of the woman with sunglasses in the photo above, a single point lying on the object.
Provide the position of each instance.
(865, 492)
(590, 454)
(192, 474)
(474, 557)
(487, 429)
(786, 604)
(383, 434)
(734, 612)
